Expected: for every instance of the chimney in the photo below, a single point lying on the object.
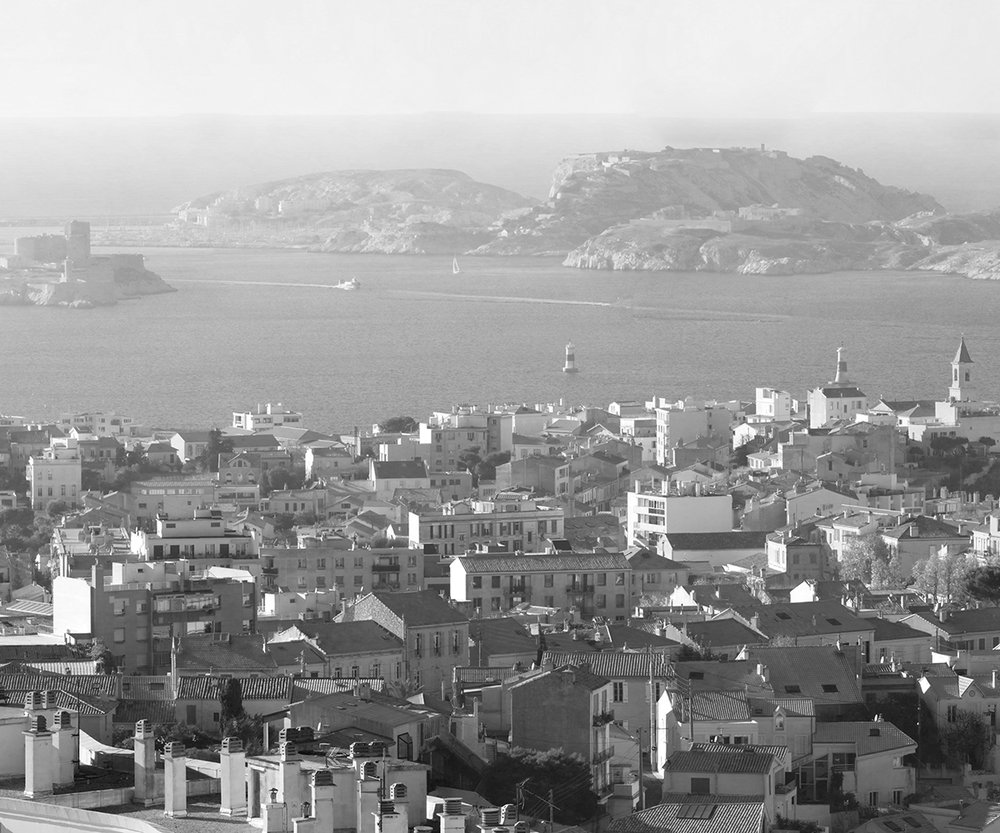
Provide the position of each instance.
(145, 764)
(64, 742)
(175, 780)
(452, 819)
(323, 796)
(994, 678)
(388, 820)
(289, 786)
(39, 759)
(233, 777)
(489, 819)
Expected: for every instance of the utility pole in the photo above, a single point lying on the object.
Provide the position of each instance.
(552, 808)
(642, 788)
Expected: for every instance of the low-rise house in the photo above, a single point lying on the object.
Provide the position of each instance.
(975, 629)
(502, 642)
(751, 770)
(197, 698)
(655, 574)
(826, 675)
(238, 655)
(349, 649)
(898, 642)
(871, 756)
(190, 445)
(815, 623)
(386, 477)
(697, 814)
(919, 538)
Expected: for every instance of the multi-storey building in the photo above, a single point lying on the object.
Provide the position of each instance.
(567, 707)
(268, 417)
(435, 635)
(447, 436)
(137, 609)
(684, 421)
(837, 400)
(510, 520)
(203, 536)
(595, 584)
(338, 565)
(652, 515)
(175, 496)
(99, 423)
(55, 475)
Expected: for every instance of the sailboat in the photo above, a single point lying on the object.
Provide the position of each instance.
(454, 266)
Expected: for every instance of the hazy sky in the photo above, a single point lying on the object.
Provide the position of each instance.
(657, 57)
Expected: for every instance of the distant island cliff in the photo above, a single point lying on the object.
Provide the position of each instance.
(741, 210)
(59, 270)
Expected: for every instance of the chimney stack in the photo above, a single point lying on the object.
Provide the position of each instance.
(233, 777)
(39, 759)
(175, 780)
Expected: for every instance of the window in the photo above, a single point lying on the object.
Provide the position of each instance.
(119, 635)
(619, 694)
(141, 634)
(320, 563)
(549, 580)
(897, 796)
(873, 798)
(843, 761)
(495, 582)
(320, 581)
(355, 671)
(376, 670)
(700, 786)
(303, 564)
(477, 582)
(549, 601)
(359, 581)
(601, 600)
(602, 579)
(359, 561)
(952, 713)
(338, 563)
(620, 600)
(829, 688)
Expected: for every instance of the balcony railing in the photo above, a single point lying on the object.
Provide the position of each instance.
(580, 588)
(603, 755)
(385, 568)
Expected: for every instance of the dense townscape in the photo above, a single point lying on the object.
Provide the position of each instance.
(679, 615)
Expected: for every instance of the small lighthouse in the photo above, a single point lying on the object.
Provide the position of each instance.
(570, 366)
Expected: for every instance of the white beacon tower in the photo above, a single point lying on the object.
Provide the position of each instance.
(570, 365)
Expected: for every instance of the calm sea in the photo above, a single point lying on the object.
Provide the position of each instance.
(248, 327)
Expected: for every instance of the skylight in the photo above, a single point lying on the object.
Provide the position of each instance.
(696, 811)
(834, 622)
(829, 688)
(793, 689)
(783, 615)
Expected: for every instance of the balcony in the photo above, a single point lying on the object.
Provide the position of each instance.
(580, 589)
(790, 785)
(385, 568)
(603, 755)
(603, 718)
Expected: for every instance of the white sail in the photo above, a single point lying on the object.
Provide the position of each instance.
(454, 266)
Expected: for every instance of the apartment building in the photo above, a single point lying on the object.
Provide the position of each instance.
(140, 607)
(652, 515)
(55, 474)
(338, 565)
(203, 536)
(510, 520)
(595, 584)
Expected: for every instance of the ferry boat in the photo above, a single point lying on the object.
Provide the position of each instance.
(353, 283)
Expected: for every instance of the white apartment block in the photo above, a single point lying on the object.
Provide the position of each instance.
(267, 417)
(652, 515)
(56, 475)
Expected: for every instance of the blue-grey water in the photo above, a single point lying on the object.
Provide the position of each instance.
(252, 326)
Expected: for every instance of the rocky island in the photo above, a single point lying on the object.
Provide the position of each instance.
(388, 212)
(741, 210)
(51, 270)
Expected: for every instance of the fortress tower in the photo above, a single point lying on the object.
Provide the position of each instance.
(78, 242)
(961, 375)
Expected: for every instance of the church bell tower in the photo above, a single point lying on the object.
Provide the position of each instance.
(961, 375)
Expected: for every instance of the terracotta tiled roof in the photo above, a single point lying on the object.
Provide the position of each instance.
(722, 814)
(743, 762)
(277, 687)
(612, 664)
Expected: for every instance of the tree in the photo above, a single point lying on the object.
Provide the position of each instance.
(983, 584)
(105, 660)
(249, 729)
(942, 576)
(487, 469)
(566, 775)
(469, 461)
(867, 559)
(217, 444)
(687, 653)
(398, 425)
(965, 740)
(403, 689)
(58, 508)
(231, 699)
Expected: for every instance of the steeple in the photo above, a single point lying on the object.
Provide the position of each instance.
(841, 376)
(961, 374)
